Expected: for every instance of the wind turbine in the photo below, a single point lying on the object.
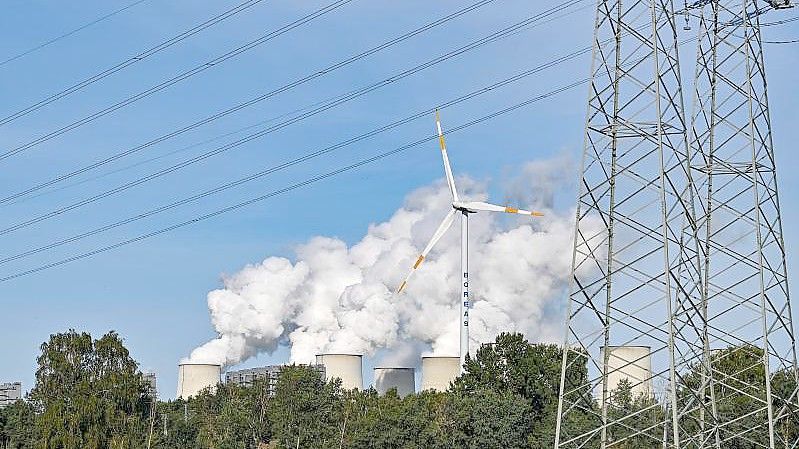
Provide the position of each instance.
(464, 208)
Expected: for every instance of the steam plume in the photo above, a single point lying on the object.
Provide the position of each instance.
(335, 297)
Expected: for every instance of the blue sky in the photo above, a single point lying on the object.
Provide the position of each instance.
(153, 292)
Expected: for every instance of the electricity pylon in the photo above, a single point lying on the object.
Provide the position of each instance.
(745, 282)
(679, 281)
(635, 250)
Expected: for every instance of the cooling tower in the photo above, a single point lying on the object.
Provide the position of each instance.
(346, 367)
(439, 372)
(632, 363)
(194, 377)
(400, 378)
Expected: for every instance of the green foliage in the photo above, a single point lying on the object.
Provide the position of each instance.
(371, 421)
(639, 418)
(17, 426)
(232, 418)
(530, 371)
(176, 426)
(89, 394)
(488, 419)
(304, 409)
(739, 378)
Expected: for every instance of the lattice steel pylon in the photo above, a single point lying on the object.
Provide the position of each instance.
(745, 281)
(679, 281)
(636, 255)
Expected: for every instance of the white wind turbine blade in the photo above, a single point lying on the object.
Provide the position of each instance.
(442, 228)
(482, 206)
(447, 168)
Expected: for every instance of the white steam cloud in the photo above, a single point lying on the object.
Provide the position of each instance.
(339, 298)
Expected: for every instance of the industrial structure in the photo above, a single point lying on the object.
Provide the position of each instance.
(10, 392)
(402, 379)
(632, 364)
(439, 372)
(462, 208)
(678, 241)
(152, 384)
(347, 367)
(266, 374)
(196, 377)
(248, 377)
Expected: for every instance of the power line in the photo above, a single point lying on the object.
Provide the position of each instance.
(176, 79)
(289, 188)
(173, 152)
(312, 155)
(130, 61)
(780, 22)
(239, 130)
(338, 101)
(252, 101)
(69, 33)
(792, 41)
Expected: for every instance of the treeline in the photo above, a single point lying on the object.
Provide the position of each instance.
(89, 394)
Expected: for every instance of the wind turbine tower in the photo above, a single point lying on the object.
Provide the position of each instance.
(464, 209)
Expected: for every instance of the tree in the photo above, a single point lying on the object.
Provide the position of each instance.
(89, 394)
(17, 428)
(233, 417)
(488, 419)
(532, 371)
(739, 377)
(388, 421)
(638, 418)
(304, 409)
(178, 425)
(786, 405)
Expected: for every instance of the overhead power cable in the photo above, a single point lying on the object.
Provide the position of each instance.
(792, 41)
(176, 79)
(132, 60)
(291, 187)
(239, 130)
(252, 101)
(172, 152)
(328, 105)
(308, 156)
(780, 22)
(221, 136)
(69, 33)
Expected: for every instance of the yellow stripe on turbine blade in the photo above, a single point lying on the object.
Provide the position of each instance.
(537, 214)
(441, 143)
(402, 287)
(418, 262)
(511, 210)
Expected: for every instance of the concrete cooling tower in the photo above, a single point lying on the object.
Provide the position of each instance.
(347, 367)
(633, 363)
(400, 378)
(194, 377)
(439, 372)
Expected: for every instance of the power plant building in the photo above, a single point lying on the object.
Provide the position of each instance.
(400, 378)
(347, 367)
(195, 377)
(10, 392)
(269, 374)
(439, 372)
